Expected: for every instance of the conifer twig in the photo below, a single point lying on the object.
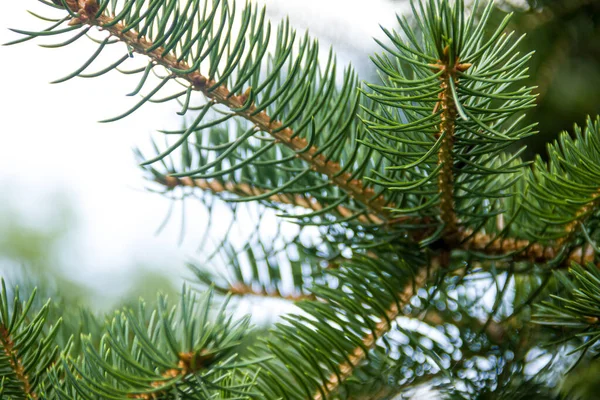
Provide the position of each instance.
(518, 249)
(188, 364)
(16, 363)
(581, 216)
(445, 159)
(355, 188)
(244, 189)
(521, 249)
(241, 289)
(369, 341)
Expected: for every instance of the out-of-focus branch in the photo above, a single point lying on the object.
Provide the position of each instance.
(16, 364)
(246, 190)
(241, 289)
(495, 332)
(355, 188)
(382, 327)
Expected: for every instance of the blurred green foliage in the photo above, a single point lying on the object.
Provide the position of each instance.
(37, 245)
(32, 242)
(566, 65)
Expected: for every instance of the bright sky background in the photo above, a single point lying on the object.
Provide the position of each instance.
(51, 142)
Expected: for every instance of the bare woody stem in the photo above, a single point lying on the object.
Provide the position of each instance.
(369, 341)
(16, 363)
(355, 188)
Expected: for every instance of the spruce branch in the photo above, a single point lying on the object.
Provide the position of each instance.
(240, 289)
(574, 310)
(444, 112)
(581, 216)
(427, 166)
(15, 362)
(491, 245)
(247, 190)
(287, 271)
(242, 105)
(563, 196)
(27, 347)
(369, 341)
(523, 249)
(181, 350)
(449, 114)
(445, 159)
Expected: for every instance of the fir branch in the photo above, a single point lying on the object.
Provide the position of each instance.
(15, 362)
(448, 117)
(584, 254)
(355, 188)
(241, 289)
(189, 364)
(369, 341)
(27, 348)
(445, 140)
(575, 310)
(521, 249)
(433, 143)
(246, 190)
(513, 248)
(152, 354)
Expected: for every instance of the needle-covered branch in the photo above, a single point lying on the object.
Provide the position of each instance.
(382, 326)
(247, 190)
(27, 347)
(323, 116)
(408, 186)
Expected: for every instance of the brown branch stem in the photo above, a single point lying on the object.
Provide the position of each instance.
(445, 159)
(518, 249)
(356, 188)
(521, 249)
(188, 364)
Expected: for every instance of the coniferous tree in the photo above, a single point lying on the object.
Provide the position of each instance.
(424, 255)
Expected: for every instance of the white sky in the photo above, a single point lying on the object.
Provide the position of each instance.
(51, 141)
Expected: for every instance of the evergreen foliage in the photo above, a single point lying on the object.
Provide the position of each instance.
(425, 251)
